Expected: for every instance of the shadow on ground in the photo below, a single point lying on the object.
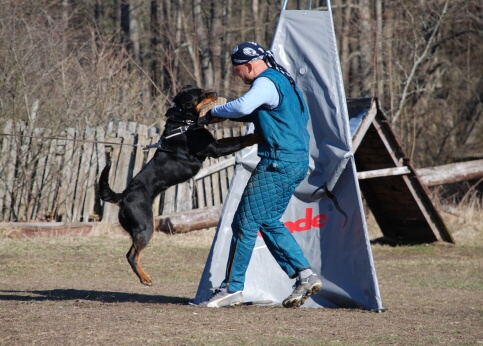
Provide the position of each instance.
(98, 296)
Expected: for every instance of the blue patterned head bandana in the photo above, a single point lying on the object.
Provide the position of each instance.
(252, 51)
(246, 52)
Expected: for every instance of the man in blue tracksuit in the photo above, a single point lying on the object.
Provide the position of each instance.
(277, 108)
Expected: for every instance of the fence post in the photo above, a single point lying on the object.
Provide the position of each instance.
(9, 158)
(88, 167)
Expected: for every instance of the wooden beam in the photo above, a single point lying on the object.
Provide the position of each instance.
(432, 176)
(189, 221)
(385, 172)
(451, 173)
(46, 229)
(364, 126)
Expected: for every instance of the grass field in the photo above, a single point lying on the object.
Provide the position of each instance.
(81, 291)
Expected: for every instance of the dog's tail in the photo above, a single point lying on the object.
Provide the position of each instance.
(105, 191)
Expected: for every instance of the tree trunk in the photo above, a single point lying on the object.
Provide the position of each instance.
(168, 54)
(203, 45)
(388, 48)
(379, 61)
(256, 21)
(355, 76)
(268, 30)
(366, 48)
(177, 42)
(227, 47)
(134, 35)
(344, 46)
(125, 26)
(216, 38)
(99, 21)
(190, 34)
(337, 15)
(154, 42)
(65, 24)
(242, 20)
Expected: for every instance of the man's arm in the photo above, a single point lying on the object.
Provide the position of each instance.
(262, 93)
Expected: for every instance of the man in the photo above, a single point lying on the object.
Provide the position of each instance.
(276, 107)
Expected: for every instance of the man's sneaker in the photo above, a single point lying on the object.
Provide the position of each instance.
(222, 298)
(302, 290)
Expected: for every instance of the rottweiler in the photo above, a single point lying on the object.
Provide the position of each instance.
(183, 147)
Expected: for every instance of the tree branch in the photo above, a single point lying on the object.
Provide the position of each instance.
(417, 63)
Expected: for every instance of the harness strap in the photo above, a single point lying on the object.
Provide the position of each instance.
(157, 145)
(174, 133)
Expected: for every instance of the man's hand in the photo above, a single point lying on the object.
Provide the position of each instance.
(210, 119)
(205, 112)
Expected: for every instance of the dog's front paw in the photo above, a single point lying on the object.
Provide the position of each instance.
(206, 119)
(210, 119)
(253, 139)
(215, 120)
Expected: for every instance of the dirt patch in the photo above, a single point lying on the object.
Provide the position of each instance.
(81, 291)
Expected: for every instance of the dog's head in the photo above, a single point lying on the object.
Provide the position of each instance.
(190, 100)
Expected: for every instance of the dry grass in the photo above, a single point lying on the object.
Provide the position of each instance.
(465, 224)
(80, 290)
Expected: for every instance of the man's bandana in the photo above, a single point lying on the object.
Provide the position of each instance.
(246, 52)
(252, 51)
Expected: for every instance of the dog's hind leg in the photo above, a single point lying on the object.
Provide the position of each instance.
(139, 243)
(137, 221)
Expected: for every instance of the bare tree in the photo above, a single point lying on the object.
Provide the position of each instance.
(378, 56)
(203, 44)
(420, 51)
(257, 27)
(422, 59)
(125, 25)
(345, 24)
(135, 32)
(216, 45)
(154, 42)
(366, 47)
(188, 29)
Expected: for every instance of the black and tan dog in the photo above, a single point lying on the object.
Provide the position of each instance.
(182, 149)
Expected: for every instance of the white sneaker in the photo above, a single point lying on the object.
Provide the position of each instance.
(222, 298)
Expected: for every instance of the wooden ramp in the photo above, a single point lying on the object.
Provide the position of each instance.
(393, 191)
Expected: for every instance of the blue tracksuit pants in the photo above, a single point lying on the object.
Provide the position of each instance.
(263, 203)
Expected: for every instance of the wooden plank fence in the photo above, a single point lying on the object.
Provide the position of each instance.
(46, 178)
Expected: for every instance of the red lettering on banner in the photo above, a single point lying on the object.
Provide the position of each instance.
(306, 223)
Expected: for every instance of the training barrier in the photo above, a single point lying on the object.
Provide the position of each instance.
(54, 178)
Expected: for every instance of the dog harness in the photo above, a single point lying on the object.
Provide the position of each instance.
(191, 125)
